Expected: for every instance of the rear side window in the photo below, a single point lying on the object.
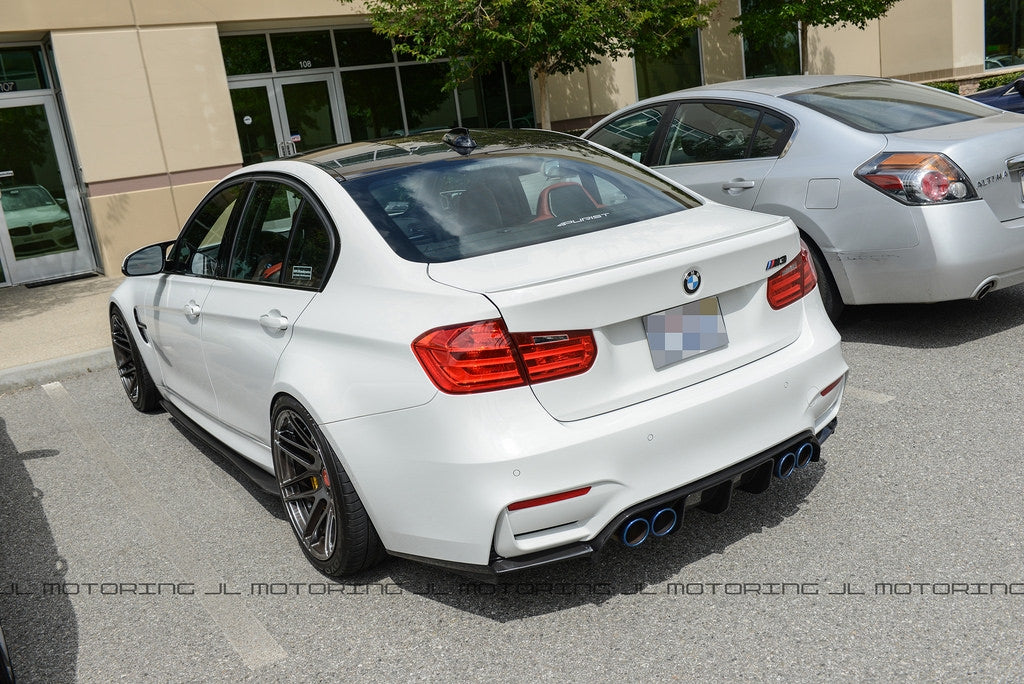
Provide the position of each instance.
(455, 209)
(890, 106)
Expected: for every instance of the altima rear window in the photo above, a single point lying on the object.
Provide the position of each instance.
(889, 106)
(458, 208)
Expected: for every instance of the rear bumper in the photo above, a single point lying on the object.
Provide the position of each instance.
(963, 252)
(437, 480)
(712, 493)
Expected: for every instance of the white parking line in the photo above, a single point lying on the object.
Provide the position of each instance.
(868, 395)
(247, 635)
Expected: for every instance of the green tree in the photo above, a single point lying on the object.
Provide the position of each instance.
(763, 20)
(544, 37)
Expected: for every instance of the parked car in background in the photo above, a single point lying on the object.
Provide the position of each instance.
(37, 223)
(902, 192)
(1009, 97)
(488, 351)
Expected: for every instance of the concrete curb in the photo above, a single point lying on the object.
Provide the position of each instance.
(40, 373)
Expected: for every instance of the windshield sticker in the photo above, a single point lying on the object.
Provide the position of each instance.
(582, 219)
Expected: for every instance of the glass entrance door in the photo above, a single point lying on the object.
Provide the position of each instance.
(42, 226)
(279, 117)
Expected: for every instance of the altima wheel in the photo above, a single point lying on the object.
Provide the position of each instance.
(322, 505)
(135, 379)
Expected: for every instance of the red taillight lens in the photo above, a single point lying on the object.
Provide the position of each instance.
(792, 282)
(483, 356)
(917, 177)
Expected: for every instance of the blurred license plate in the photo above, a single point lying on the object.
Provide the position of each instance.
(685, 331)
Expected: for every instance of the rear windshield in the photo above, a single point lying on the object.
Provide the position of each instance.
(890, 106)
(463, 207)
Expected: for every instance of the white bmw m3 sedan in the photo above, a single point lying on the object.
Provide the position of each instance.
(486, 350)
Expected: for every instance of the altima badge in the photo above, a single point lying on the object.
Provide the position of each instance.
(691, 283)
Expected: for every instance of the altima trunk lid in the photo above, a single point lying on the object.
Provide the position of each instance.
(985, 149)
(613, 281)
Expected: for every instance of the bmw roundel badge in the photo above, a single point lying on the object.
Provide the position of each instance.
(691, 283)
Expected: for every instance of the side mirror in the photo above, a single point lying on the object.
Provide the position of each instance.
(1018, 85)
(146, 261)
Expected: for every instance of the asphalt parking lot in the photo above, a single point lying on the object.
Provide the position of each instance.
(131, 553)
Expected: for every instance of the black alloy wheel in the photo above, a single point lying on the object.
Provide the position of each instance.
(326, 514)
(135, 379)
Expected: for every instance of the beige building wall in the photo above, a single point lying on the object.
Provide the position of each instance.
(722, 51)
(844, 50)
(145, 121)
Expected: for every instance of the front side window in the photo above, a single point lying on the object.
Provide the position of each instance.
(456, 209)
(198, 250)
(281, 239)
(890, 106)
(716, 131)
(631, 134)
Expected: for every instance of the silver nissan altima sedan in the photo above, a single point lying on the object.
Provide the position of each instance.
(902, 192)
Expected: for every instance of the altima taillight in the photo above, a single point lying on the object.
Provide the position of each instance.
(484, 356)
(917, 178)
(792, 282)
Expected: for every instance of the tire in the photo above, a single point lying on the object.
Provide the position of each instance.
(830, 296)
(135, 378)
(327, 517)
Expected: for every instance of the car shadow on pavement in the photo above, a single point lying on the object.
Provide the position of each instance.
(934, 326)
(270, 502)
(38, 619)
(657, 567)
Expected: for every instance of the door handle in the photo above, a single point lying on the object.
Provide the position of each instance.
(192, 310)
(738, 184)
(273, 321)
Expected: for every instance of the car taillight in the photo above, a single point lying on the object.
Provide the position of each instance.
(484, 356)
(917, 178)
(792, 282)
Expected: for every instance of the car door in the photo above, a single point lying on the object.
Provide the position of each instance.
(722, 150)
(176, 317)
(281, 253)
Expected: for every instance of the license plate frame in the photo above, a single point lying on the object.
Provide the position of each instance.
(683, 332)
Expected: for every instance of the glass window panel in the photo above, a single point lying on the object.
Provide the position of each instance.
(33, 198)
(778, 57)
(681, 69)
(632, 133)
(310, 121)
(306, 50)
(427, 106)
(245, 54)
(1004, 33)
(372, 103)
(482, 102)
(361, 46)
(22, 69)
(255, 124)
(520, 99)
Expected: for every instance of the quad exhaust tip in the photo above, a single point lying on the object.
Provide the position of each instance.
(658, 522)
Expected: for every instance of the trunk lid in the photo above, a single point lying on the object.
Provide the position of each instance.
(608, 281)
